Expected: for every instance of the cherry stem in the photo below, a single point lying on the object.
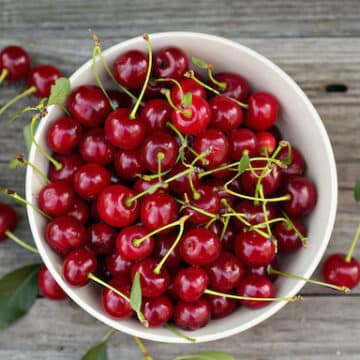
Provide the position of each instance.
(178, 333)
(196, 194)
(177, 132)
(201, 211)
(143, 348)
(20, 242)
(353, 245)
(201, 157)
(292, 226)
(108, 335)
(14, 100)
(221, 84)
(223, 231)
(264, 209)
(282, 143)
(181, 223)
(237, 297)
(166, 93)
(22, 201)
(142, 93)
(3, 75)
(176, 83)
(160, 157)
(22, 160)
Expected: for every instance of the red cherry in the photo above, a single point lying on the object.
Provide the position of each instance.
(64, 234)
(78, 265)
(192, 316)
(171, 62)
(56, 198)
(253, 249)
(199, 247)
(162, 246)
(256, 286)
(264, 270)
(88, 105)
(142, 185)
(120, 100)
(118, 266)
(221, 306)
(226, 114)
(128, 164)
(70, 163)
(297, 164)
(287, 238)
(262, 112)
(266, 142)
(112, 207)
(157, 311)
(227, 242)
(16, 61)
(187, 86)
(42, 77)
(236, 86)
(241, 140)
(80, 211)
(338, 271)
(181, 185)
(156, 113)
(130, 69)
(101, 238)
(48, 287)
(7, 220)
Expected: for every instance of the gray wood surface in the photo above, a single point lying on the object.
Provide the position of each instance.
(316, 42)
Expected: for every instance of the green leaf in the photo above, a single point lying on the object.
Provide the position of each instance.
(59, 91)
(135, 295)
(15, 163)
(97, 352)
(199, 63)
(27, 135)
(244, 163)
(187, 100)
(357, 191)
(208, 355)
(18, 292)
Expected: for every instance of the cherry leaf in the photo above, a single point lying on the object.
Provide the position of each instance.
(208, 355)
(187, 100)
(97, 352)
(357, 191)
(244, 163)
(27, 135)
(136, 297)
(18, 292)
(15, 163)
(199, 63)
(59, 91)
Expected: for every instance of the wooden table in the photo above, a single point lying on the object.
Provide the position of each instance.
(316, 42)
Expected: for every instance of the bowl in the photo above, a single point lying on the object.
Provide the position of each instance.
(300, 124)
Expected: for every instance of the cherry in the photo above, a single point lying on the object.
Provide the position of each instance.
(64, 234)
(302, 194)
(63, 135)
(162, 246)
(159, 143)
(69, 164)
(123, 131)
(80, 211)
(241, 140)
(157, 311)
(130, 69)
(128, 164)
(221, 306)
(101, 238)
(56, 198)
(118, 266)
(216, 143)
(95, 148)
(153, 89)
(114, 304)
(194, 118)
(158, 210)
(119, 99)
(48, 287)
(142, 185)
(7, 220)
(287, 238)
(41, 78)
(236, 86)
(78, 265)
(181, 184)
(227, 242)
(256, 286)
(217, 184)
(190, 283)
(274, 131)
(297, 164)
(171, 62)
(14, 63)
(226, 114)
(155, 114)
(264, 270)
(266, 142)
(225, 272)
(88, 105)
(125, 243)
(192, 316)
(112, 206)
(199, 247)
(262, 112)
(90, 179)
(254, 249)
(187, 86)
(152, 285)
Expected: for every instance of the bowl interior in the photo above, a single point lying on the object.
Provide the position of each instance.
(299, 123)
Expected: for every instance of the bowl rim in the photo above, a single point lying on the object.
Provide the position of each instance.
(146, 334)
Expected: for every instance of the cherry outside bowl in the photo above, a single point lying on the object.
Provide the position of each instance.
(299, 123)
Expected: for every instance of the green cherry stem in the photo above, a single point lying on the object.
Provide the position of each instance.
(20, 242)
(220, 84)
(160, 157)
(176, 84)
(225, 226)
(282, 143)
(264, 209)
(303, 238)
(108, 335)
(166, 93)
(353, 245)
(179, 334)
(186, 204)
(14, 100)
(3, 75)
(143, 348)
(196, 194)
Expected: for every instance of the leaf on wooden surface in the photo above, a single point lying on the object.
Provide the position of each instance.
(97, 352)
(59, 91)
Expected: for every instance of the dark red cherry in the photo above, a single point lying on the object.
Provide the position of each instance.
(236, 86)
(130, 69)
(101, 238)
(69, 164)
(171, 62)
(287, 238)
(162, 246)
(88, 105)
(194, 118)
(254, 249)
(80, 211)
(156, 113)
(256, 286)
(274, 131)
(187, 86)
(112, 206)
(157, 311)
(64, 234)
(221, 306)
(95, 148)
(192, 316)
(7, 220)
(114, 304)
(118, 266)
(199, 247)
(227, 241)
(153, 89)
(90, 179)
(128, 164)
(126, 247)
(152, 285)
(123, 132)
(159, 142)
(336, 270)
(241, 140)
(302, 193)
(262, 112)
(78, 265)
(120, 100)
(217, 185)
(16, 61)
(297, 164)
(42, 77)
(266, 142)
(225, 272)
(226, 114)
(181, 185)
(264, 270)
(48, 287)
(56, 198)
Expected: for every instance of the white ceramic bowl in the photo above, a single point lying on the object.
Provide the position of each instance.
(299, 123)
